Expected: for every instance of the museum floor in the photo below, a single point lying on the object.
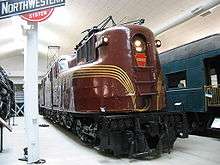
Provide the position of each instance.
(60, 147)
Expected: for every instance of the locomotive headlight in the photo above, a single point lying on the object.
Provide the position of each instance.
(137, 43)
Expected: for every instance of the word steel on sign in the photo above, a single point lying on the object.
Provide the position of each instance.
(9, 8)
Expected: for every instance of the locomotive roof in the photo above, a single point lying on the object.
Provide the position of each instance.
(103, 26)
(191, 49)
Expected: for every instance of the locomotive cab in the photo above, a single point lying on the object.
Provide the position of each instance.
(120, 65)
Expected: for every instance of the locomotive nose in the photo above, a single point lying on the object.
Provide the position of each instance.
(146, 71)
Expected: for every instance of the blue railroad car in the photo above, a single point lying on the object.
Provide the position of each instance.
(192, 75)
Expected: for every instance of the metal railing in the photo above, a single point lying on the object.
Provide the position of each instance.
(212, 95)
(19, 104)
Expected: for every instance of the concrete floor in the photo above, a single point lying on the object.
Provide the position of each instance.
(60, 147)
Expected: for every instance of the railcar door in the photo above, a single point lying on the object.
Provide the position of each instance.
(212, 87)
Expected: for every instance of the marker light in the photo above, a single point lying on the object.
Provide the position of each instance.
(105, 39)
(158, 43)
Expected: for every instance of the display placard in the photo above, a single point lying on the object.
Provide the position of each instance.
(9, 8)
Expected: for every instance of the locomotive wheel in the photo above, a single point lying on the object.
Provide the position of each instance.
(69, 122)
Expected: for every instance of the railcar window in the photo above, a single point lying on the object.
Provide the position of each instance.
(213, 77)
(177, 80)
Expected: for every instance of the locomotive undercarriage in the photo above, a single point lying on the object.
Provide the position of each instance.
(136, 135)
(200, 123)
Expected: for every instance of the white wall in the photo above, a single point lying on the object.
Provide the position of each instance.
(14, 66)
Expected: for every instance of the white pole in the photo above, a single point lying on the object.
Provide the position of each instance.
(31, 92)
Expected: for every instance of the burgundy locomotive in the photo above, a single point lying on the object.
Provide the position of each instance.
(111, 93)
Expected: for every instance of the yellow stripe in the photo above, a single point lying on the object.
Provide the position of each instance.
(113, 68)
(109, 71)
(121, 77)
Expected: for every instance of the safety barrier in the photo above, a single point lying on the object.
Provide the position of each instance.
(19, 104)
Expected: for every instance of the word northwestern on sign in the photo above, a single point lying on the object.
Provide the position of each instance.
(10, 8)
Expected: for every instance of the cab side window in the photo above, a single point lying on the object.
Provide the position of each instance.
(63, 65)
(87, 53)
(177, 80)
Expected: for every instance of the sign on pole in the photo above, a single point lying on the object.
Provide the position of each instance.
(9, 8)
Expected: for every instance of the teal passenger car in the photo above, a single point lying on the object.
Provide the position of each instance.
(192, 74)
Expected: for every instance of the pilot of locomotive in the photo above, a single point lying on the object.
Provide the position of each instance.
(112, 94)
